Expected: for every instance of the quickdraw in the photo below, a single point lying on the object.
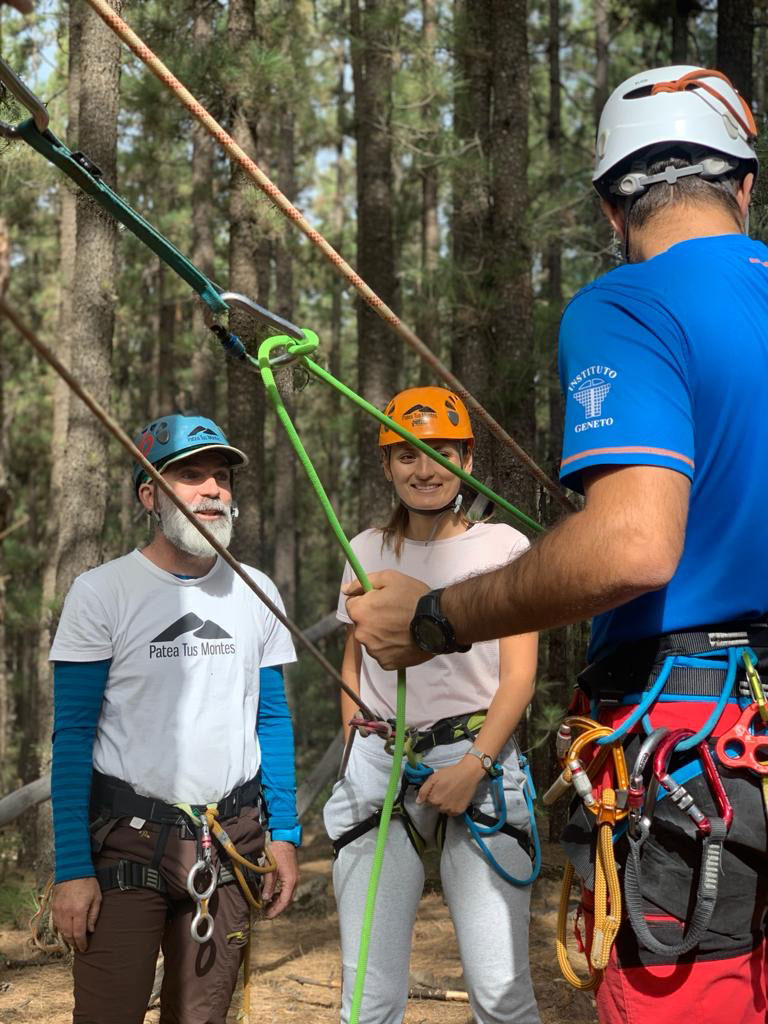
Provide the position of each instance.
(713, 831)
(609, 805)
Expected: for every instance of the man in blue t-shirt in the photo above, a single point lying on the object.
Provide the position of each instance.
(664, 367)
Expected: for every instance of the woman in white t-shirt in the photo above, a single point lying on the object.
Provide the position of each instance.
(462, 709)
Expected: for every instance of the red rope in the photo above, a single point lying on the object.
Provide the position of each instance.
(169, 80)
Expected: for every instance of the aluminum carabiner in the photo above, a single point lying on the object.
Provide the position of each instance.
(639, 800)
(679, 794)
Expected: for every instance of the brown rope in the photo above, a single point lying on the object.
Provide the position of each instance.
(286, 207)
(117, 432)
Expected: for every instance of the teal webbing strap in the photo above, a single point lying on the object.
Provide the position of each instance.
(54, 150)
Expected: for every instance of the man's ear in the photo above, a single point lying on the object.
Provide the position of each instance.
(744, 194)
(615, 216)
(147, 495)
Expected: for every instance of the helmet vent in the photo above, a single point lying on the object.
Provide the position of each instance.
(638, 94)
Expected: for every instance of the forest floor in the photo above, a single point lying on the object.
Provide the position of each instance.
(304, 945)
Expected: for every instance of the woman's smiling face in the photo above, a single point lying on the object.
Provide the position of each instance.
(419, 481)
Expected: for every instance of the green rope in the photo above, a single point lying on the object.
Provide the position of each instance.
(275, 397)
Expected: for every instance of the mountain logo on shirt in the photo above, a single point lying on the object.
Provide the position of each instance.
(210, 634)
(590, 389)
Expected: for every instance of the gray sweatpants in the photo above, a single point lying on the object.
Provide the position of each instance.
(490, 915)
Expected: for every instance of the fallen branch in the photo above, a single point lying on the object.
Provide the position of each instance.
(443, 995)
(23, 522)
(46, 961)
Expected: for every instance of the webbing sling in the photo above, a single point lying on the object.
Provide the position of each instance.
(87, 176)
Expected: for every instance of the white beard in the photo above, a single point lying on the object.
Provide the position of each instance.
(183, 535)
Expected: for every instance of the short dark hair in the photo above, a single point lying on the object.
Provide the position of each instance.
(693, 188)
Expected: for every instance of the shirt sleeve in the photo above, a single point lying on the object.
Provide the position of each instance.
(85, 630)
(341, 610)
(78, 691)
(275, 731)
(624, 375)
(278, 644)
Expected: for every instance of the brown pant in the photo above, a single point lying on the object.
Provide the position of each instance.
(113, 978)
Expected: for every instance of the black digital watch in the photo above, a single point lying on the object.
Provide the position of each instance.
(430, 629)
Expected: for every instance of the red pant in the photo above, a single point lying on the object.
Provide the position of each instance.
(730, 990)
(722, 981)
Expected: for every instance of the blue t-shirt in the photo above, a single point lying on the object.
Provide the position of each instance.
(665, 363)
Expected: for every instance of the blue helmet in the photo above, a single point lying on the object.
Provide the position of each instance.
(171, 438)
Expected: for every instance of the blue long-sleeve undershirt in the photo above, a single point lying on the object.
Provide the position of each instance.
(278, 767)
(78, 694)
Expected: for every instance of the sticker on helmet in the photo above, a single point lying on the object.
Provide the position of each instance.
(200, 430)
(144, 444)
(419, 415)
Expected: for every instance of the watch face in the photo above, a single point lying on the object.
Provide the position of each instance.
(429, 634)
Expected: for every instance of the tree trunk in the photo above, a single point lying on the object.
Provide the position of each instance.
(83, 501)
(603, 233)
(513, 363)
(5, 512)
(680, 12)
(206, 361)
(247, 260)
(373, 28)
(471, 341)
(735, 29)
(427, 321)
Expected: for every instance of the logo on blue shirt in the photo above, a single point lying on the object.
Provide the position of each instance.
(590, 389)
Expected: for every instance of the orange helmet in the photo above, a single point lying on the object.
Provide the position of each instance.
(428, 413)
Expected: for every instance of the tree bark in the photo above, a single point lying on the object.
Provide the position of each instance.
(735, 31)
(5, 512)
(373, 32)
(471, 340)
(680, 12)
(84, 499)
(427, 321)
(206, 360)
(513, 362)
(248, 264)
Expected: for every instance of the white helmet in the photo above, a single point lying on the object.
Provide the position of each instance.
(696, 107)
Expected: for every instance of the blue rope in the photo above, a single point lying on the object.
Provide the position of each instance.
(417, 774)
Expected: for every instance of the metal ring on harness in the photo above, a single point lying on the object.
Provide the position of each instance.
(202, 917)
(197, 869)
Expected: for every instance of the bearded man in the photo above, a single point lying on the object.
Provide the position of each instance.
(169, 700)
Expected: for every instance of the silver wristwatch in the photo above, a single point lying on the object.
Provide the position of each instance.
(485, 759)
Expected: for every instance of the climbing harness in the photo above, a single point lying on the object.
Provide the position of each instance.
(415, 773)
(736, 746)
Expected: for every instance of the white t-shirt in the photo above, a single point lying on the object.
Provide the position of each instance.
(449, 684)
(178, 720)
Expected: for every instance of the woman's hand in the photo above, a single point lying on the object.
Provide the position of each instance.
(451, 789)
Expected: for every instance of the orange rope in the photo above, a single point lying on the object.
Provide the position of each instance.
(286, 207)
(692, 80)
